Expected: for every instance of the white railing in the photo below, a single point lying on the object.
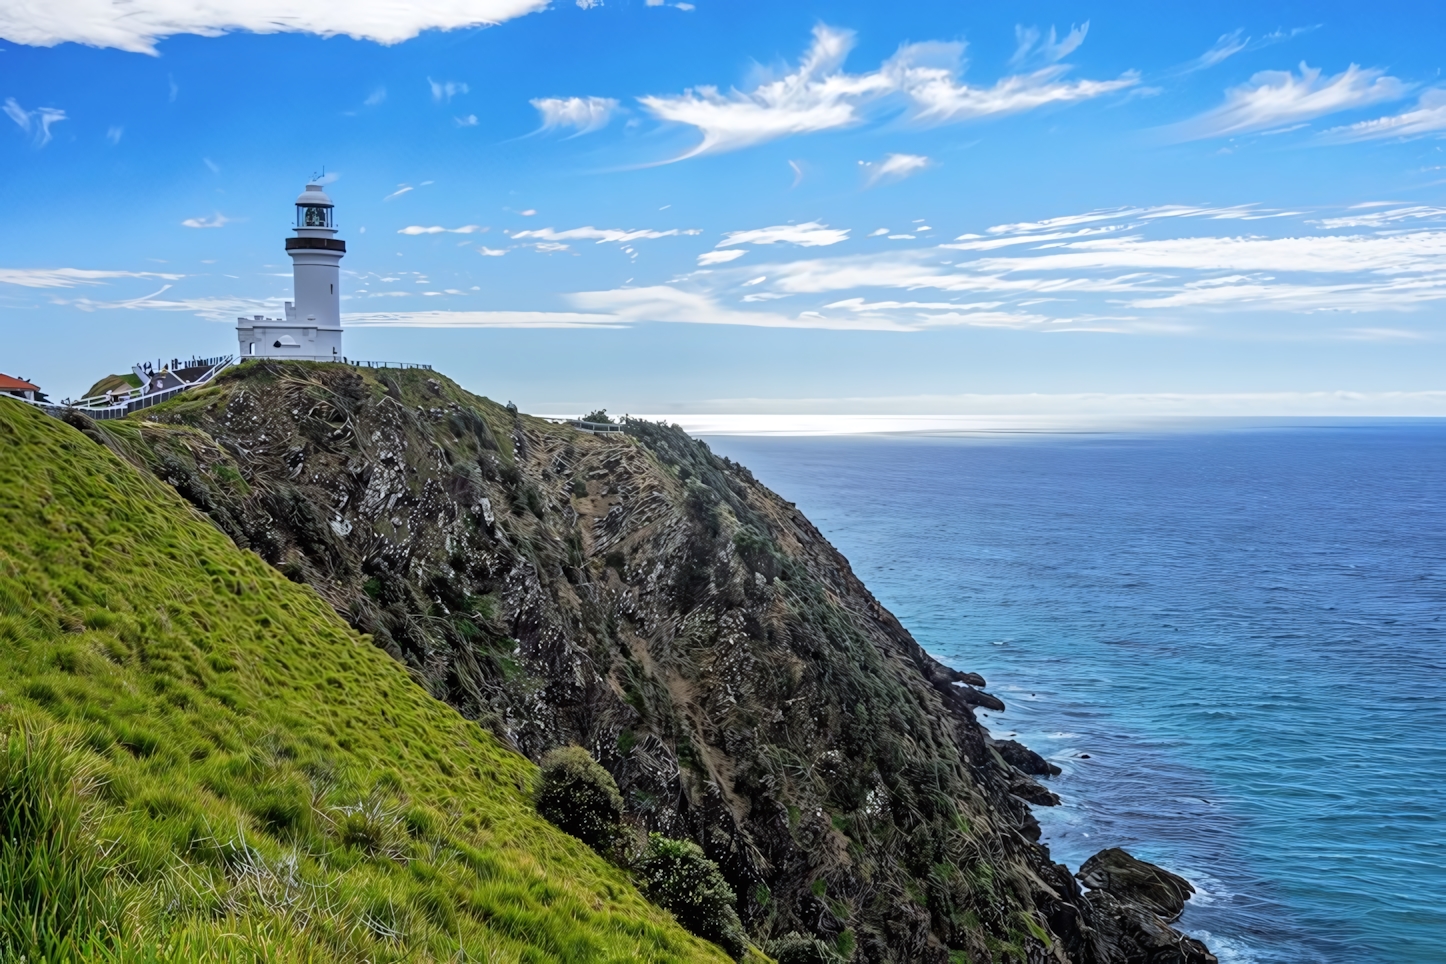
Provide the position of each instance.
(104, 407)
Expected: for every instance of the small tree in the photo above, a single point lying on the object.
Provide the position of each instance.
(677, 876)
(578, 796)
(600, 416)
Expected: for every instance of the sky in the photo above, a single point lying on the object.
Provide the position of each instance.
(763, 209)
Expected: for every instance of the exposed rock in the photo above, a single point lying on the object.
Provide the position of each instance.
(1026, 760)
(1131, 906)
(1027, 789)
(1129, 934)
(637, 595)
(1134, 880)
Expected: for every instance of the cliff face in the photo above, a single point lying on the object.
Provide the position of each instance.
(638, 595)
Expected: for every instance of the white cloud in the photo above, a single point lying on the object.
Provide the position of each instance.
(137, 25)
(810, 234)
(1031, 47)
(36, 122)
(601, 235)
(376, 97)
(818, 95)
(1276, 98)
(664, 303)
(70, 277)
(401, 189)
(1234, 42)
(469, 121)
(416, 229)
(720, 257)
(1427, 117)
(929, 75)
(479, 319)
(218, 220)
(1227, 46)
(894, 167)
(487, 252)
(446, 90)
(115, 133)
(1380, 219)
(583, 114)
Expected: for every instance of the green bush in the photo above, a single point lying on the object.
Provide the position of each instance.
(796, 948)
(577, 795)
(677, 876)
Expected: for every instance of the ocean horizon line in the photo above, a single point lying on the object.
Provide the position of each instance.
(784, 424)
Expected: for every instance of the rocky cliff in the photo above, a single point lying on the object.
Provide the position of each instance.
(642, 597)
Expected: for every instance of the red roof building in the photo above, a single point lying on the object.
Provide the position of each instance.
(18, 387)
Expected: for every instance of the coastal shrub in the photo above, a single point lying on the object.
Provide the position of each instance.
(796, 948)
(676, 875)
(577, 795)
(600, 416)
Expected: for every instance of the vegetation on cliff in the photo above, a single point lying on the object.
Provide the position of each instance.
(200, 761)
(637, 596)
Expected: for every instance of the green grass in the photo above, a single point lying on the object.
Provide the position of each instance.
(200, 761)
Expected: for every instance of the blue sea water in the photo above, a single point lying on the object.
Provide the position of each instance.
(1233, 642)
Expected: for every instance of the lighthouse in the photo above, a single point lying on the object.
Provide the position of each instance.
(311, 330)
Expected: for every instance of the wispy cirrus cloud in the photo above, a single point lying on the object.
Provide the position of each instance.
(1032, 45)
(818, 95)
(71, 277)
(601, 235)
(1236, 42)
(582, 114)
(720, 257)
(480, 319)
(36, 123)
(416, 229)
(138, 25)
(810, 234)
(1381, 215)
(894, 167)
(1427, 117)
(1279, 98)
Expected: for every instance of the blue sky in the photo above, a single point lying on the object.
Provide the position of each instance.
(750, 207)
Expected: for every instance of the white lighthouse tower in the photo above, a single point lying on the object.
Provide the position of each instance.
(311, 330)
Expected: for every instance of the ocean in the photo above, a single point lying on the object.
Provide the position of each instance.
(1232, 641)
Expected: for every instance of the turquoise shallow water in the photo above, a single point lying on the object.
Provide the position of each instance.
(1244, 630)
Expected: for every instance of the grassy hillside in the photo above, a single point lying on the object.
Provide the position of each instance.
(200, 761)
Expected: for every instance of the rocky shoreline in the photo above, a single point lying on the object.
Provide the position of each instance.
(642, 597)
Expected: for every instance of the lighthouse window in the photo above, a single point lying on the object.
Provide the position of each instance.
(333, 288)
(313, 216)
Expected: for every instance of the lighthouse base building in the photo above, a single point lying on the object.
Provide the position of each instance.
(311, 329)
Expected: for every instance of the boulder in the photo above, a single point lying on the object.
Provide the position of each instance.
(1127, 933)
(1025, 788)
(1137, 882)
(1024, 759)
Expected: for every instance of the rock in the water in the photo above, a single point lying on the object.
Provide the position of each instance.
(1137, 882)
(1023, 758)
(975, 697)
(1127, 933)
(1026, 789)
